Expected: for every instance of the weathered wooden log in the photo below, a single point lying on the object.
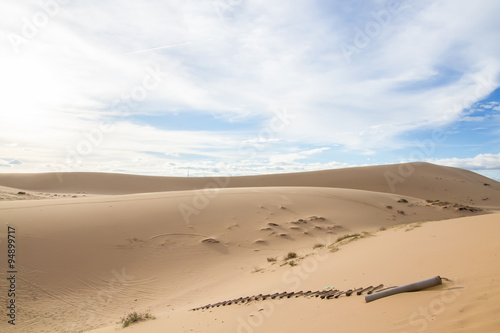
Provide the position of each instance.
(349, 293)
(285, 294)
(363, 290)
(386, 288)
(322, 292)
(375, 288)
(406, 288)
(313, 294)
(332, 292)
(307, 293)
(339, 294)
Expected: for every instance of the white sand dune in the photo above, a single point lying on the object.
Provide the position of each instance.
(166, 245)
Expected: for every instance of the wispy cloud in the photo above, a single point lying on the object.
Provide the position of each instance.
(284, 159)
(161, 47)
(60, 79)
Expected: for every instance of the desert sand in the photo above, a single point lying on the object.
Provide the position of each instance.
(94, 247)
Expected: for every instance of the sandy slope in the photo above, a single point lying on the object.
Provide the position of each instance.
(84, 262)
(469, 303)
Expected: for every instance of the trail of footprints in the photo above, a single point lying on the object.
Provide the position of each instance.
(323, 294)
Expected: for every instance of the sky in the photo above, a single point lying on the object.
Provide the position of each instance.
(243, 87)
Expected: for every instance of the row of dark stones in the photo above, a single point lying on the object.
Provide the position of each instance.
(323, 294)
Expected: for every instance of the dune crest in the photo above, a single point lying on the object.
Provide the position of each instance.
(417, 179)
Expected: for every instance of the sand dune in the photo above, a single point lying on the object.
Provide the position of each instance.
(421, 180)
(84, 262)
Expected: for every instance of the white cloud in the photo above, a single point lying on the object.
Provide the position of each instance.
(283, 159)
(473, 119)
(479, 162)
(237, 61)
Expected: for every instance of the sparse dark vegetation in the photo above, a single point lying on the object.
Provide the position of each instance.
(135, 317)
(271, 259)
(467, 208)
(210, 241)
(403, 201)
(412, 226)
(341, 238)
(402, 212)
(257, 269)
(291, 255)
(333, 248)
(316, 218)
(438, 203)
(318, 246)
(458, 207)
(347, 238)
(388, 207)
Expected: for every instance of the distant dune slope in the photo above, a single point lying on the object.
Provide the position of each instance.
(421, 180)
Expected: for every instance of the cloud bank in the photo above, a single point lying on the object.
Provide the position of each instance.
(354, 77)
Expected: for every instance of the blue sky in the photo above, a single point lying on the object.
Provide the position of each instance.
(239, 87)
